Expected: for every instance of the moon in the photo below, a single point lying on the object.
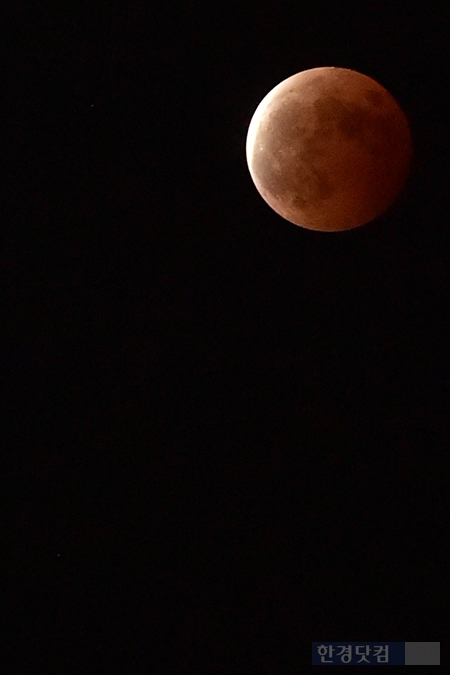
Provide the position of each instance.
(329, 149)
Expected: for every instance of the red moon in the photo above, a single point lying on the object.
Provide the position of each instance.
(329, 149)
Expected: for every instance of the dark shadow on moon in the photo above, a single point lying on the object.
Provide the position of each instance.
(352, 121)
(375, 98)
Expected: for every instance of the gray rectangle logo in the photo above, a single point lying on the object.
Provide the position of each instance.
(422, 653)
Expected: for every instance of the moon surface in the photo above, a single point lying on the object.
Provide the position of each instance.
(329, 149)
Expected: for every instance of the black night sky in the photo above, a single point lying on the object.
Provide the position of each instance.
(229, 434)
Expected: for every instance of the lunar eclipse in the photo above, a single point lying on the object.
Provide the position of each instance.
(329, 149)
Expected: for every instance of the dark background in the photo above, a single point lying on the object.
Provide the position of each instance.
(230, 434)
